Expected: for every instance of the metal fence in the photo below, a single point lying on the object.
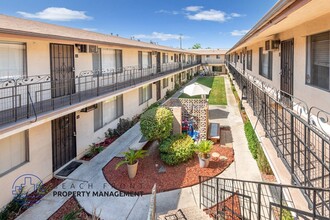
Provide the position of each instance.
(30, 96)
(238, 199)
(295, 132)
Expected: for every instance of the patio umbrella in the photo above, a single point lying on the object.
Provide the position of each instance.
(196, 89)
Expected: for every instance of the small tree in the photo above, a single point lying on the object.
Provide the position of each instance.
(197, 46)
(156, 123)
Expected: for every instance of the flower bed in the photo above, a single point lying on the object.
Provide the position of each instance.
(100, 146)
(175, 177)
(17, 207)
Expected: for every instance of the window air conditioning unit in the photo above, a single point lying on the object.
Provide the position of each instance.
(93, 49)
(89, 108)
(82, 48)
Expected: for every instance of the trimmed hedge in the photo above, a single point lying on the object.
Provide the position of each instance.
(252, 139)
(177, 149)
(256, 150)
(156, 123)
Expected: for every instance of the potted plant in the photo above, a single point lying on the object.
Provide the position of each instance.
(131, 159)
(203, 149)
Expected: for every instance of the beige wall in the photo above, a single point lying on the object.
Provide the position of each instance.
(39, 164)
(299, 34)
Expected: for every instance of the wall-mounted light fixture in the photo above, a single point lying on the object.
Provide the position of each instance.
(276, 44)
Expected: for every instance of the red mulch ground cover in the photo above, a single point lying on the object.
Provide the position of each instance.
(70, 205)
(35, 196)
(230, 207)
(175, 177)
(104, 144)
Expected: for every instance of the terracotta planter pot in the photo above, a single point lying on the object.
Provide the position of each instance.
(204, 162)
(132, 169)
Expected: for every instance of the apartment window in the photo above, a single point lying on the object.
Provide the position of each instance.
(12, 60)
(144, 59)
(217, 57)
(111, 60)
(165, 83)
(108, 111)
(98, 117)
(249, 60)
(13, 152)
(165, 58)
(318, 56)
(207, 56)
(145, 93)
(112, 109)
(183, 75)
(241, 58)
(175, 58)
(265, 63)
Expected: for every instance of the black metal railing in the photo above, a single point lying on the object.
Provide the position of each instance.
(223, 198)
(28, 97)
(300, 142)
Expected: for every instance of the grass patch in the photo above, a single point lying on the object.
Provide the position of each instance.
(253, 141)
(218, 93)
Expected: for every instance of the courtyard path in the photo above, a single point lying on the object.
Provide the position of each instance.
(89, 176)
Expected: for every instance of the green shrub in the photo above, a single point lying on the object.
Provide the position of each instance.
(263, 162)
(176, 149)
(123, 125)
(156, 123)
(256, 150)
(72, 215)
(251, 138)
(94, 149)
(14, 207)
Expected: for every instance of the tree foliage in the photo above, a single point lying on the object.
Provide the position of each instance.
(197, 46)
(156, 123)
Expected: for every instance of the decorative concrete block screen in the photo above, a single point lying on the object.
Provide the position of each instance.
(196, 108)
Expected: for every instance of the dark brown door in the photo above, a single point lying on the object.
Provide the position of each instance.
(64, 140)
(158, 90)
(62, 69)
(158, 62)
(287, 51)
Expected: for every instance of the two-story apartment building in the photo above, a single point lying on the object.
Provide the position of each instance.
(213, 60)
(288, 49)
(61, 88)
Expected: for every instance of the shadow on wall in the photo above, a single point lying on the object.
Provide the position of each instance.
(217, 113)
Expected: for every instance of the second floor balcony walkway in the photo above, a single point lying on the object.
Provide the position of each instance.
(30, 96)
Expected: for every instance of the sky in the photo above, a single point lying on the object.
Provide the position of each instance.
(211, 23)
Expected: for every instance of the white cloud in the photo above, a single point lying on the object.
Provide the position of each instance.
(239, 32)
(162, 11)
(57, 14)
(90, 29)
(193, 8)
(159, 36)
(236, 15)
(209, 15)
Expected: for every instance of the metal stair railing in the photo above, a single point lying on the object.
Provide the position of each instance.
(225, 198)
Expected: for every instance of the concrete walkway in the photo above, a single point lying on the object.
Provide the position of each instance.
(89, 176)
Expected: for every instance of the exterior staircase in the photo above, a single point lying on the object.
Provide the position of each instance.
(190, 213)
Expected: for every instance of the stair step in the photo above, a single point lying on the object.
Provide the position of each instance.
(190, 213)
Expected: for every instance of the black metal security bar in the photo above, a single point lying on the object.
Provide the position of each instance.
(302, 146)
(30, 96)
(235, 199)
